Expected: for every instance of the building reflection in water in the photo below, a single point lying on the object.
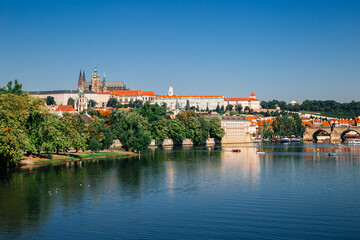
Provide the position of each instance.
(244, 165)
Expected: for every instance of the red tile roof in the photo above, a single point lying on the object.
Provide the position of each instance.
(65, 108)
(127, 93)
(148, 93)
(252, 94)
(133, 93)
(206, 96)
(241, 99)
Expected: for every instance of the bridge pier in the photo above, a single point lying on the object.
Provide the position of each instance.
(335, 137)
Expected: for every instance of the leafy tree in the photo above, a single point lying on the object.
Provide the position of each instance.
(187, 107)
(92, 103)
(71, 101)
(159, 130)
(94, 144)
(99, 130)
(176, 130)
(133, 132)
(152, 112)
(229, 107)
(198, 129)
(76, 131)
(217, 109)
(14, 113)
(50, 101)
(113, 102)
(238, 108)
(17, 89)
(215, 128)
(11, 145)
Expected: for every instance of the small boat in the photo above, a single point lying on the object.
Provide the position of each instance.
(331, 154)
(295, 140)
(260, 152)
(353, 141)
(274, 140)
(236, 150)
(285, 140)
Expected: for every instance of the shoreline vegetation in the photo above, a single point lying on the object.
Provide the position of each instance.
(38, 159)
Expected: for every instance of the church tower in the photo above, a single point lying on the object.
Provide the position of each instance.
(95, 81)
(103, 85)
(80, 82)
(171, 91)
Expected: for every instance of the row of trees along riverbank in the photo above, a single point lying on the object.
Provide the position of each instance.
(27, 127)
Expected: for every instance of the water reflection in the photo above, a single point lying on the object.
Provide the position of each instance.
(32, 197)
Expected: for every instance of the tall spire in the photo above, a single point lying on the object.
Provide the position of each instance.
(84, 75)
(80, 74)
(95, 74)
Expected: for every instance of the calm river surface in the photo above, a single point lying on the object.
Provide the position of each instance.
(291, 192)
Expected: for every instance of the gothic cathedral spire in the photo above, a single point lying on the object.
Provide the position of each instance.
(81, 81)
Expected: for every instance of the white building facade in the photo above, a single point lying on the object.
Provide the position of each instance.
(236, 129)
(200, 102)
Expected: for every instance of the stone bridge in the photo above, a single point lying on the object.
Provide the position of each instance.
(336, 133)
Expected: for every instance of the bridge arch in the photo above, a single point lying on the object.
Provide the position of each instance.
(320, 131)
(342, 135)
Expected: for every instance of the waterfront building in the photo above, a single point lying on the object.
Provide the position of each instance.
(236, 129)
(252, 102)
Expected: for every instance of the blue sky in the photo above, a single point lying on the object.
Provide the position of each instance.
(279, 49)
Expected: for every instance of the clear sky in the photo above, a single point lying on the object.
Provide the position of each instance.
(281, 50)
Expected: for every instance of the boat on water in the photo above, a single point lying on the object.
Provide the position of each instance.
(285, 140)
(353, 141)
(260, 152)
(274, 140)
(331, 154)
(295, 140)
(236, 150)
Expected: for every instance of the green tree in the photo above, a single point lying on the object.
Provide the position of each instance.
(215, 129)
(92, 103)
(152, 112)
(50, 101)
(17, 89)
(159, 130)
(113, 102)
(71, 101)
(176, 130)
(14, 113)
(229, 107)
(99, 130)
(187, 107)
(11, 145)
(133, 132)
(238, 108)
(76, 131)
(94, 144)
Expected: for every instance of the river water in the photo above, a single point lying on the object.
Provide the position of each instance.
(292, 192)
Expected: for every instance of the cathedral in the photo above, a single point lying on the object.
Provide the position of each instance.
(98, 86)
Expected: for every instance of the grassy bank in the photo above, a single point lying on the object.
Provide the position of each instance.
(64, 157)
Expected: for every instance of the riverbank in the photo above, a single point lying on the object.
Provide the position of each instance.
(65, 157)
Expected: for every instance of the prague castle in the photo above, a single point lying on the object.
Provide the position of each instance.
(98, 86)
(101, 91)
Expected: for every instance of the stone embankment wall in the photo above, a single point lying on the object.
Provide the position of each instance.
(185, 142)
